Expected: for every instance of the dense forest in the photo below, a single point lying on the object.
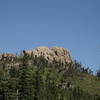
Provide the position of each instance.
(40, 81)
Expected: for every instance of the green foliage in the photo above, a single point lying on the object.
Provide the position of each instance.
(25, 81)
(39, 81)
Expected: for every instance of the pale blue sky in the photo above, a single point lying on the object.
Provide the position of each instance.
(72, 24)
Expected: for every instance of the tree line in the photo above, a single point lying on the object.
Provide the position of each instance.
(40, 82)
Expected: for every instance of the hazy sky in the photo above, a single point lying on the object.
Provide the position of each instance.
(72, 24)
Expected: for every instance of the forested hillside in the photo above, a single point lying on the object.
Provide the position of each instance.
(26, 79)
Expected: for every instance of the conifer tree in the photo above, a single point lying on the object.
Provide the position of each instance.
(25, 86)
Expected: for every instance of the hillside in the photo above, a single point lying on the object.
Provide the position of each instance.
(46, 74)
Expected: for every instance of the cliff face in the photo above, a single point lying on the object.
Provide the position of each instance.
(57, 54)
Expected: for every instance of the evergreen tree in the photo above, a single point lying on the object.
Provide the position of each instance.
(98, 73)
(25, 86)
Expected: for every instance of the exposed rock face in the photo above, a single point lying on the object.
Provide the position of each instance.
(41, 55)
(7, 56)
(57, 54)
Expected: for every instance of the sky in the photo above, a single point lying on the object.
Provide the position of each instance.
(71, 24)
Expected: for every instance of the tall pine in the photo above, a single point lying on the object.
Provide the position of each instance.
(25, 86)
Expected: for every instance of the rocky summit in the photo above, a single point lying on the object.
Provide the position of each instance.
(57, 54)
(54, 55)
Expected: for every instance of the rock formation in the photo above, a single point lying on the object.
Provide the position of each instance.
(57, 54)
(7, 56)
(54, 55)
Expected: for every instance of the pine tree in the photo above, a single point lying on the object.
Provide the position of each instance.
(25, 86)
(98, 73)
